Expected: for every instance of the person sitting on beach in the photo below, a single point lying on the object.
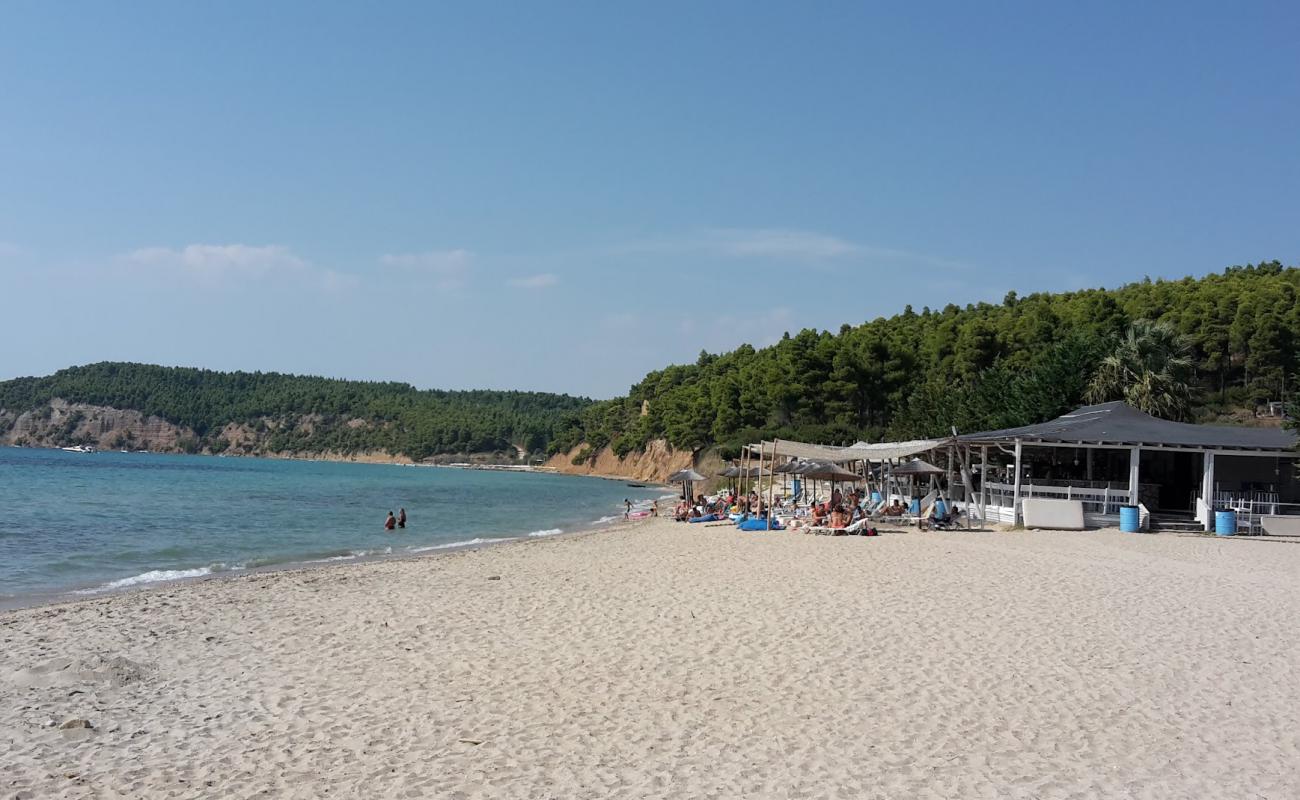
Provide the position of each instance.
(818, 515)
(391, 522)
(839, 520)
(894, 509)
(401, 518)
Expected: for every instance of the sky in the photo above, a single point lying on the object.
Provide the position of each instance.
(564, 196)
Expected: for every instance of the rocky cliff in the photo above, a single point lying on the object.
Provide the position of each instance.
(61, 424)
(656, 463)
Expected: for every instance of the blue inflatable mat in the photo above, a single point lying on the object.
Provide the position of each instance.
(705, 518)
(759, 525)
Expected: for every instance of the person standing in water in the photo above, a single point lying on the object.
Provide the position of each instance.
(391, 522)
(628, 513)
(401, 518)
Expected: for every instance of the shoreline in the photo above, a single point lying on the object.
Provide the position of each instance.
(663, 660)
(91, 594)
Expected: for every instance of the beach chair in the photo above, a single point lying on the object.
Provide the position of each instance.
(923, 510)
(849, 530)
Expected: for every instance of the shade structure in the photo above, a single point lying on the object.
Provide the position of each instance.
(1116, 424)
(825, 471)
(916, 467)
(730, 472)
(686, 476)
(881, 451)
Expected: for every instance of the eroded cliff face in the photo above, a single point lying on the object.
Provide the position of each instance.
(61, 423)
(654, 465)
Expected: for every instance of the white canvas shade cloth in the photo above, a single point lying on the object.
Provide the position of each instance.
(862, 451)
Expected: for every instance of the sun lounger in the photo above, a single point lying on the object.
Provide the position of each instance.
(851, 530)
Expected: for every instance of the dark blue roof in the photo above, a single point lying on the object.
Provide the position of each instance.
(1122, 425)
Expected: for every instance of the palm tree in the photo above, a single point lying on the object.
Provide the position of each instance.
(1150, 369)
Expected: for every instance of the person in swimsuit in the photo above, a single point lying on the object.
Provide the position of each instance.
(401, 518)
(391, 522)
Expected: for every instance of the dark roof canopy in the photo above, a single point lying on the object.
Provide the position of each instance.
(916, 467)
(1118, 424)
(685, 476)
(824, 471)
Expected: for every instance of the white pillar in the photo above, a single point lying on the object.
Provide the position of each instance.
(1207, 489)
(984, 479)
(1134, 459)
(1015, 492)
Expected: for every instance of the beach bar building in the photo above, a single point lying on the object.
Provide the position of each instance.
(1111, 455)
(1102, 457)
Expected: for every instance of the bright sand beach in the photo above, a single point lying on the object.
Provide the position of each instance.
(667, 660)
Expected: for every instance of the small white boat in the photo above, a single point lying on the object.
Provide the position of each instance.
(79, 448)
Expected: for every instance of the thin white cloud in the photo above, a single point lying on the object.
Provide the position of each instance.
(778, 243)
(540, 281)
(215, 261)
(450, 269)
(214, 265)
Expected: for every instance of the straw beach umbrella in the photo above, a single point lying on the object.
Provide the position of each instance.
(686, 477)
(914, 469)
(825, 471)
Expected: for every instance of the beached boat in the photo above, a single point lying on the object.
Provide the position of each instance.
(79, 448)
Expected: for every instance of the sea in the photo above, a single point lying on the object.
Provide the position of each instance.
(82, 524)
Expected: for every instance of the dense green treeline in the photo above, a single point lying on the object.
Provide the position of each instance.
(976, 367)
(309, 414)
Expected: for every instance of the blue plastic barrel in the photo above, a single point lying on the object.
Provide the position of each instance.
(1129, 521)
(914, 507)
(875, 497)
(940, 508)
(1225, 523)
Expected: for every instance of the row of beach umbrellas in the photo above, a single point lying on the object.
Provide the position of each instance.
(813, 470)
(817, 470)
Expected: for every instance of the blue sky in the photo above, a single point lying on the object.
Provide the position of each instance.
(563, 196)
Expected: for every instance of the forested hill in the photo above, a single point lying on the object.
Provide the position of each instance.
(273, 413)
(976, 367)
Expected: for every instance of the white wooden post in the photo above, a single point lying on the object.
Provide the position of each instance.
(1134, 459)
(984, 479)
(771, 487)
(1207, 489)
(1015, 491)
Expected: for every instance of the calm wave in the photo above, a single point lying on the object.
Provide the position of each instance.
(75, 522)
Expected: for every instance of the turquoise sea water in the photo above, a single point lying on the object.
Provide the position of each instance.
(92, 522)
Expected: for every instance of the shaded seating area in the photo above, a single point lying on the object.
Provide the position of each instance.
(1101, 458)
(1110, 456)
